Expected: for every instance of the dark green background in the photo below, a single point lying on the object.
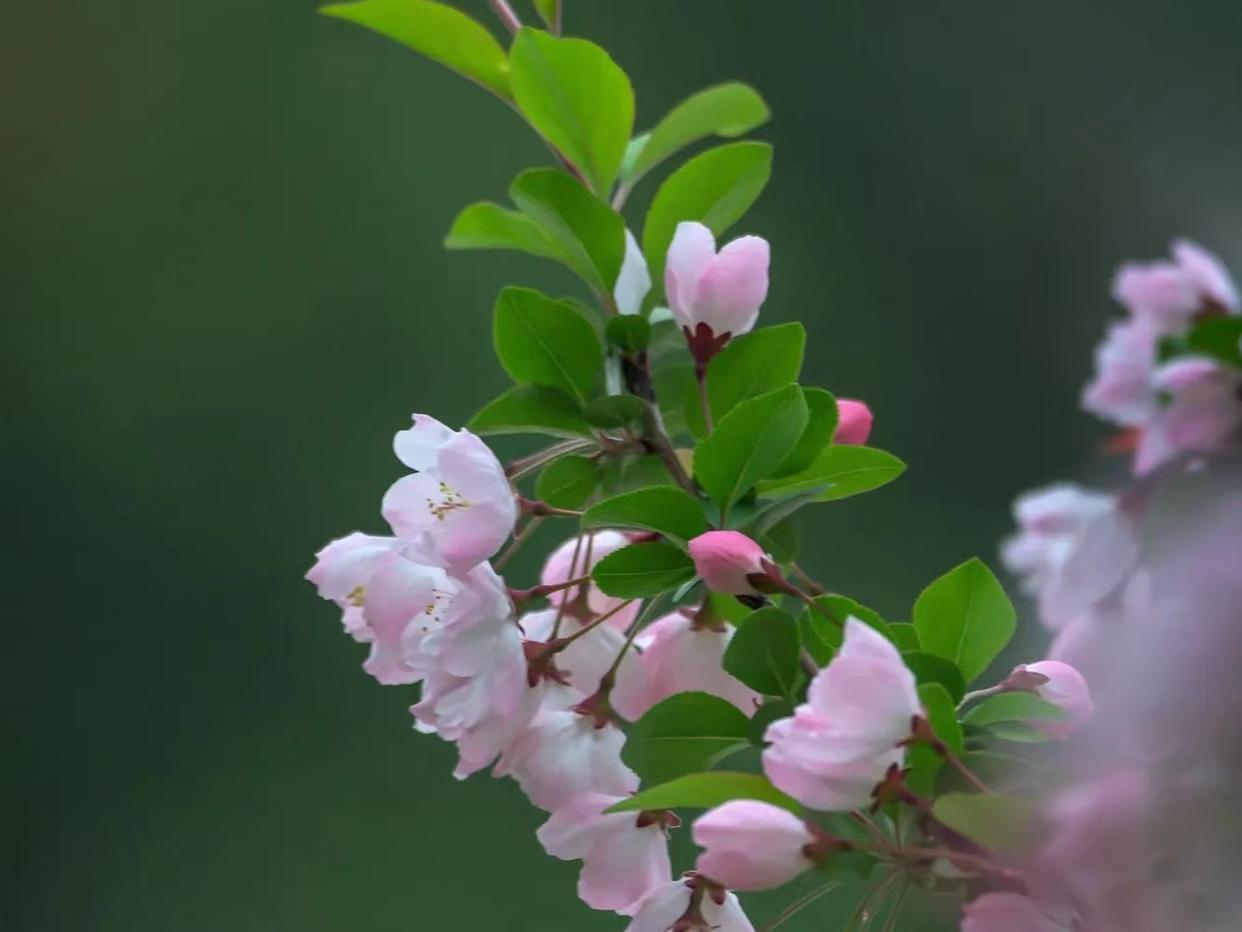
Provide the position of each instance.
(224, 290)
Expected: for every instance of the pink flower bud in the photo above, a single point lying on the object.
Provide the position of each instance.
(720, 289)
(853, 422)
(750, 845)
(1067, 689)
(723, 560)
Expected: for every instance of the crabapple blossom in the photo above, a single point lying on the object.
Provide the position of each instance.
(680, 655)
(577, 557)
(1067, 689)
(1009, 912)
(837, 746)
(724, 560)
(1203, 413)
(1170, 294)
(624, 854)
(682, 906)
(854, 421)
(459, 496)
(721, 291)
(752, 845)
(634, 279)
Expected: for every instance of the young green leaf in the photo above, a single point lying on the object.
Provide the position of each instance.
(664, 509)
(550, 12)
(707, 790)
(995, 821)
(838, 472)
(1013, 707)
(765, 653)
(928, 668)
(757, 362)
(544, 342)
(820, 427)
(611, 411)
(489, 226)
(642, 570)
(628, 332)
(532, 409)
(587, 232)
(728, 110)
(715, 188)
(568, 482)
(442, 33)
(681, 735)
(748, 443)
(577, 98)
(965, 616)
(904, 635)
(941, 714)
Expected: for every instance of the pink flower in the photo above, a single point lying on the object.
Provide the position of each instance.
(1202, 416)
(724, 560)
(585, 661)
(853, 422)
(1067, 689)
(750, 845)
(634, 279)
(1170, 294)
(722, 290)
(835, 749)
(678, 657)
(1120, 390)
(1009, 912)
(572, 560)
(666, 905)
(564, 753)
(459, 497)
(624, 854)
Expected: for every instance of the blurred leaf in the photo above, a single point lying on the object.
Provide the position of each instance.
(840, 471)
(587, 232)
(998, 822)
(772, 710)
(749, 365)
(727, 110)
(706, 791)
(1013, 707)
(642, 570)
(612, 411)
(628, 332)
(442, 33)
(905, 636)
(965, 616)
(489, 226)
(765, 653)
(942, 714)
(715, 188)
(1217, 337)
(820, 427)
(544, 342)
(928, 668)
(1019, 732)
(568, 482)
(532, 409)
(577, 98)
(748, 443)
(727, 607)
(664, 509)
(681, 735)
(550, 12)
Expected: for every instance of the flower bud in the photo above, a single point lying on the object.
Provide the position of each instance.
(724, 560)
(751, 845)
(1065, 688)
(853, 422)
(720, 289)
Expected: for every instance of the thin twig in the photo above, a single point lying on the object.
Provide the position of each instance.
(658, 440)
(506, 15)
(981, 694)
(518, 540)
(592, 625)
(705, 400)
(956, 763)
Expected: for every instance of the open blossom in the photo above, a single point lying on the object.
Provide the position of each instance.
(721, 290)
(1170, 294)
(459, 497)
(634, 279)
(854, 421)
(724, 560)
(680, 655)
(574, 559)
(751, 845)
(835, 749)
(1010, 912)
(624, 854)
(1067, 689)
(1202, 414)
(665, 906)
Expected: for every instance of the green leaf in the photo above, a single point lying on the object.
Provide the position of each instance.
(634, 472)
(664, 509)
(532, 409)
(489, 226)
(577, 98)
(904, 635)
(612, 411)
(642, 570)
(682, 735)
(748, 443)
(550, 12)
(839, 472)
(757, 362)
(1020, 732)
(706, 791)
(728, 110)
(715, 188)
(965, 616)
(822, 634)
(998, 822)
(928, 668)
(772, 710)
(442, 33)
(1013, 707)
(628, 332)
(820, 427)
(765, 653)
(588, 233)
(941, 711)
(544, 342)
(1218, 337)
(568, 482)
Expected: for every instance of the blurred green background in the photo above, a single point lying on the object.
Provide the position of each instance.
(221, 261)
